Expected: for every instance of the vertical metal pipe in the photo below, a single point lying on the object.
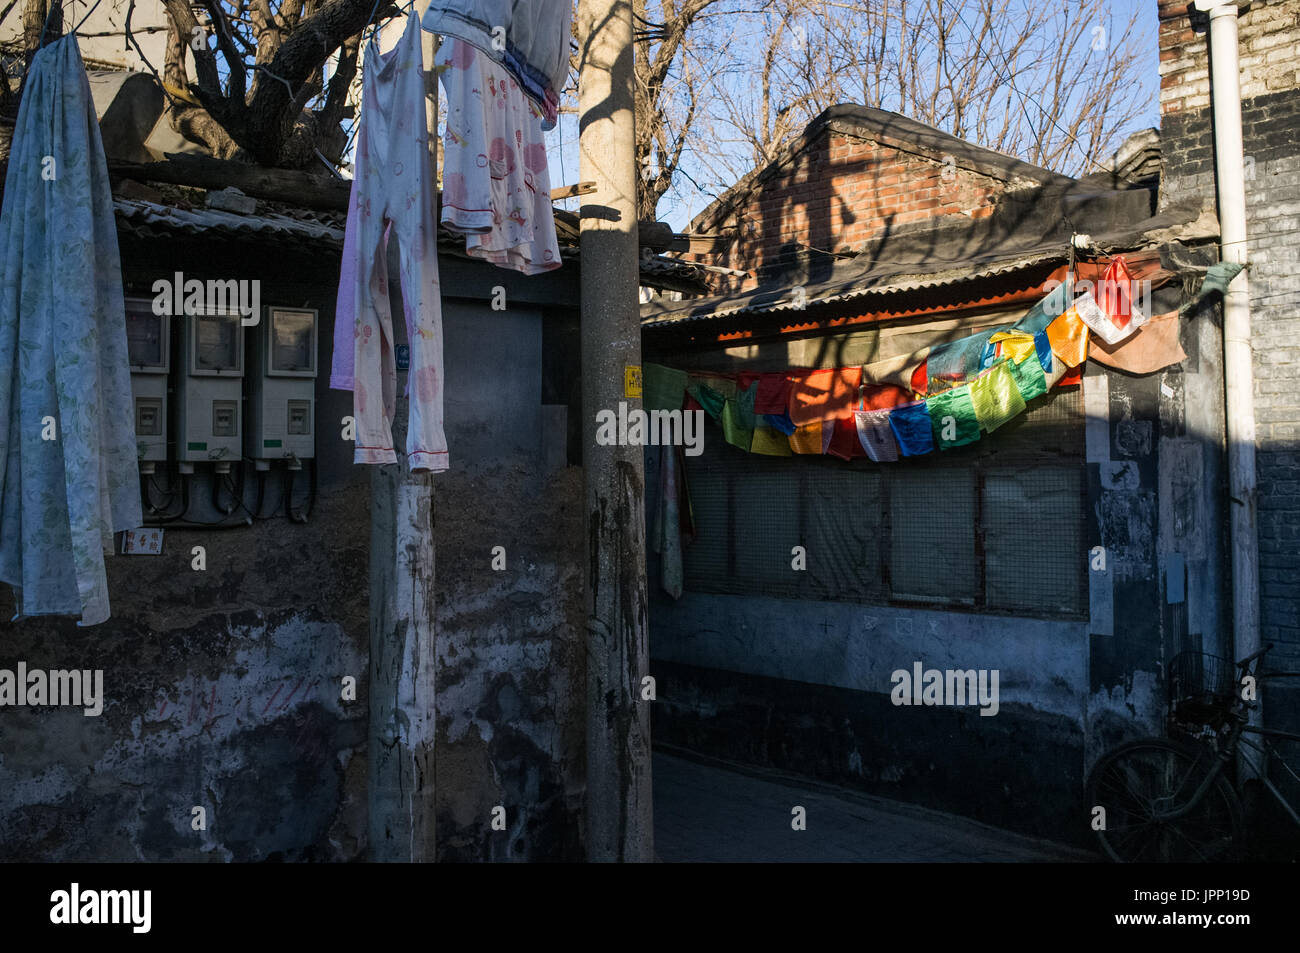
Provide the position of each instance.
(1238, 357)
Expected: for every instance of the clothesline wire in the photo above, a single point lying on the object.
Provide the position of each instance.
(1242, 241)
(50, 13)
(82, 23)
(374, 27)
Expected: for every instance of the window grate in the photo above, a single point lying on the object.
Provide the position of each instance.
(997, 526)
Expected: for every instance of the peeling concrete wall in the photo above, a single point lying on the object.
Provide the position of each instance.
(223, 686)
(511, 659)
(222, 690)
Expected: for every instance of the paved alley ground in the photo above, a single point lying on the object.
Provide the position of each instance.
(708, 812)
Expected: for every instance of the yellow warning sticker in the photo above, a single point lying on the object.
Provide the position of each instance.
(632, 380)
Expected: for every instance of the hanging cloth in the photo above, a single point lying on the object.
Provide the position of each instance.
(745, 398)
(1048, 309)
(773, 394)
(1069, 338)
(876, 436)
(709, 399)
(1016, 345)
(1029, 378)
(392, 196)
(995, 397)
(63, 352)
(734, 430)
(844, 439)
(898, 371)
(530, 38)
(811, 438)
(1101, 325)
(1115, 300)
(496, 185)
(911, 426)
(664, 388)
(824, 394)
(955, 362)
(781, 422)
(674, 525)
(769, 441)
(952, 417)
(1043, 347)
(1152, 348)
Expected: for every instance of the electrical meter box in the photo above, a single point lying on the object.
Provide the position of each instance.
(282, 385)
(209, 391)
(148, 345)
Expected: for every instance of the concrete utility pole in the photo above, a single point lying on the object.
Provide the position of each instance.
(402, 598)
(619, 819)
(401, 809)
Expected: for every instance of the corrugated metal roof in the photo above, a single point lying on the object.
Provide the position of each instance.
(1013, 240)
(150, 219)
(788, 298)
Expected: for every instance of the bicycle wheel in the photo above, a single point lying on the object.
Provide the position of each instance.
(1140, 783)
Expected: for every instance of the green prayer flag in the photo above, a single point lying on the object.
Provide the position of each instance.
(952, 418)
(709, 399)
(1029, 377)
(745, 406)
(1219, 277)
(733, 429)
(995, 397)
(664, 387)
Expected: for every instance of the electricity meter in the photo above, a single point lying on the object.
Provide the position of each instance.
(148, 352)
(282, 385)
(209, 393)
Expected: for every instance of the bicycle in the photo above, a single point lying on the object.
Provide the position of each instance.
(1179, 798)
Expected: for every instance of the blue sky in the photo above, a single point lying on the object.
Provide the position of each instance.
(684, 201)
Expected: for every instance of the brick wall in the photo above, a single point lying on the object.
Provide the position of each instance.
(839, 193)
(1269, 36)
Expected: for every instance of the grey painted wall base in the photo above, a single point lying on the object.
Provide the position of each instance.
(1020, 770)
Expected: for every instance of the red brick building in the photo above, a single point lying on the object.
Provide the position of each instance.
(855, 174)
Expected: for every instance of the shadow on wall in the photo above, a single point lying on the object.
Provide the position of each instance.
(804, 685)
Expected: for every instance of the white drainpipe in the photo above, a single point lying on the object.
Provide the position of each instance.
(1238, 366)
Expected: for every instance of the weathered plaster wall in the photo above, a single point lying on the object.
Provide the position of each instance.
(223, 686)
(510, 652)
(1155, 462)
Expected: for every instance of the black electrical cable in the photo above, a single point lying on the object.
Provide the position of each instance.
(275, 510)
(144, 493)
(176, 521)
(237, 494)
(216, 497)
(171, 495)
(261, 492)
(311, 497)
(287, 482)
